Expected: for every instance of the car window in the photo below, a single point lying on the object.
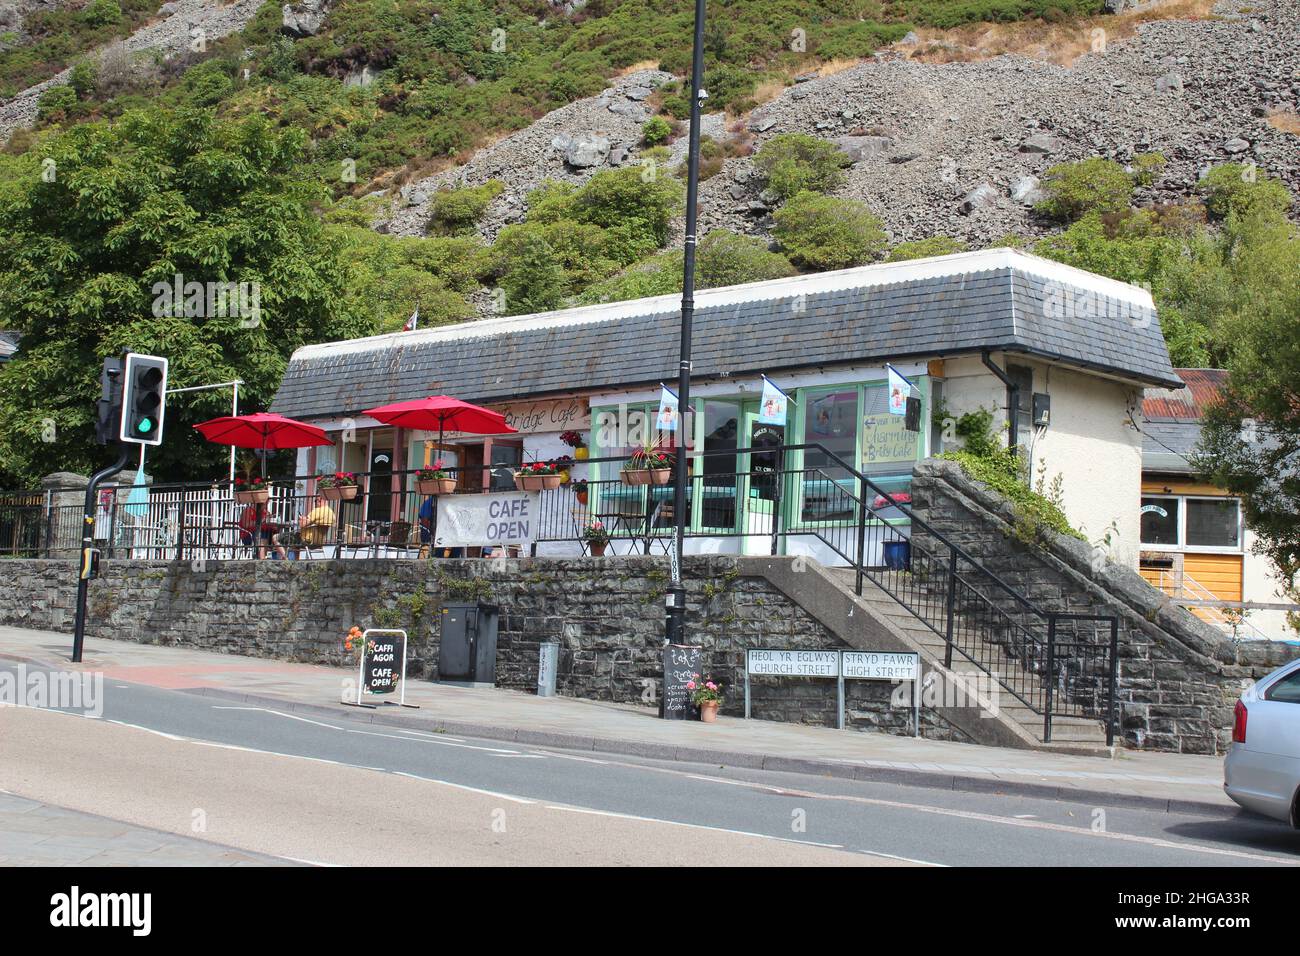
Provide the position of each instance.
(1286, 690)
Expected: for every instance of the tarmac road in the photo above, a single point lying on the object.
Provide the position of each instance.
(341, 791)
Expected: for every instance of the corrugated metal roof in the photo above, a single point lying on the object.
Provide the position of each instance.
(1000, 300)
(1186, 404)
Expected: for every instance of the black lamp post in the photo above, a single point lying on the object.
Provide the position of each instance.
(675, 619)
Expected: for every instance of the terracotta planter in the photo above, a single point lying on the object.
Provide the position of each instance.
(661, 476)
(634, 476)
(581, 496)
(580, 453)
(258, 496)
(519, 482)
(551, 482)
(532, 482)
(436, 486)
(597, 549)
(709, 711)
(339, 493)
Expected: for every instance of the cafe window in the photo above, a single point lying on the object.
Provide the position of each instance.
(830, 419)
(1177, 522)
(888, 448)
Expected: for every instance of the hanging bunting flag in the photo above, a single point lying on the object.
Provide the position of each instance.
(772, 406)
(899, 389)
(667, 418)
(413, 321)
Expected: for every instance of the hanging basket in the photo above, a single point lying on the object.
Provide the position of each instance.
(551, 482)
(339, 493)
(532, 482)
(597, 548)
(257, 496)
(660, 476)
(580, 453)
(436, 486)
(634, 476)
(519, 482)
(581, 496)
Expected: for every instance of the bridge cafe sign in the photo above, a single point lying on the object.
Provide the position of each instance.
(841, 665)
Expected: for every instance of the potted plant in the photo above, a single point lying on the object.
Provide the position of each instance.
(660, 465)
(435, 480)
(636, 471)
(579, 490)
(597, 538)
(339, 486)
(706, 694)
(537, 475)
(563, 465)
(252, 491)
(575, 441)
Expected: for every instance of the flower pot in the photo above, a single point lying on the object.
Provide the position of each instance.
(597, 548)
(581, 496)
(436, 486)
(551, 482)
(634, 476)
(532, 482)
(660, 476)
(519, 482)
(339, 493)
(580, 453)
(709, 711)
(257, 496)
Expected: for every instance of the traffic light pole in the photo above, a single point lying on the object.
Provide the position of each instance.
(88, 547)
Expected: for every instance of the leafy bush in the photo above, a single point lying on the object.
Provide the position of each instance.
(794, 162)
(55, 102)
(724, 258)
(100, 13)
(458, 210)
(655, 131)
(1091, 185)
(822, 232)
(1147, 168)
(924, 248)
(1237, 188)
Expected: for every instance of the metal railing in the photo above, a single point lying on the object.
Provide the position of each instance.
(804, 497)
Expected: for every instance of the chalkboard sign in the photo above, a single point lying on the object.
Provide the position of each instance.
(681, 663)
(383, 662)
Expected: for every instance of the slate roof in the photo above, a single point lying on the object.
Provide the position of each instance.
(1171, 419)
(999, 299)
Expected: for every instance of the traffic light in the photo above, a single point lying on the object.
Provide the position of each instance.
(108, 416)
(144, 390)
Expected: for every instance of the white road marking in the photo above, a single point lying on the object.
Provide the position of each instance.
(461, 786)
(149, 730)
(572, 757)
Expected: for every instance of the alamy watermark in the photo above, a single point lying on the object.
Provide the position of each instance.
(209, 300)
(80, 692)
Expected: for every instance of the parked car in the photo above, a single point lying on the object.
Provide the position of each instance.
(1262, 770)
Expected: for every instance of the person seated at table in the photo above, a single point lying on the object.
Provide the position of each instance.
(314, 527)
(425, 517)
(265, 535)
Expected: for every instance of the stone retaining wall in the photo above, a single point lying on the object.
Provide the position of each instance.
(1179, 677)
(606, 613)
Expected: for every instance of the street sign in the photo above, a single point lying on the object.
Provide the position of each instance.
(793, 663)
(881, 665)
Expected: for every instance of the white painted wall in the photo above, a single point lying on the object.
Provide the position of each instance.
(1260, 583)
(1090, 443)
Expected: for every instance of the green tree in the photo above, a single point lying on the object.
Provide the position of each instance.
(822, 232)
(527, 270)
(794, 162)
(1236, 188)
(459, 210)
(88, 257)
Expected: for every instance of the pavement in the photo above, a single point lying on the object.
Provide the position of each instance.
(33, 833)
(1174, 783)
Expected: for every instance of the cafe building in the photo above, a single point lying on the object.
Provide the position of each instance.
(1059, 356)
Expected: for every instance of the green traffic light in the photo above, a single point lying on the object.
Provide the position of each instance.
(145, 426)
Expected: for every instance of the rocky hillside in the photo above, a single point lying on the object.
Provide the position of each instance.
(954, 148)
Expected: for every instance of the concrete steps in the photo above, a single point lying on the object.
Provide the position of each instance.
(1069, 734)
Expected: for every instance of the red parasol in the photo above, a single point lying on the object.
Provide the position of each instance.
(263, 430)
(441, 411)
